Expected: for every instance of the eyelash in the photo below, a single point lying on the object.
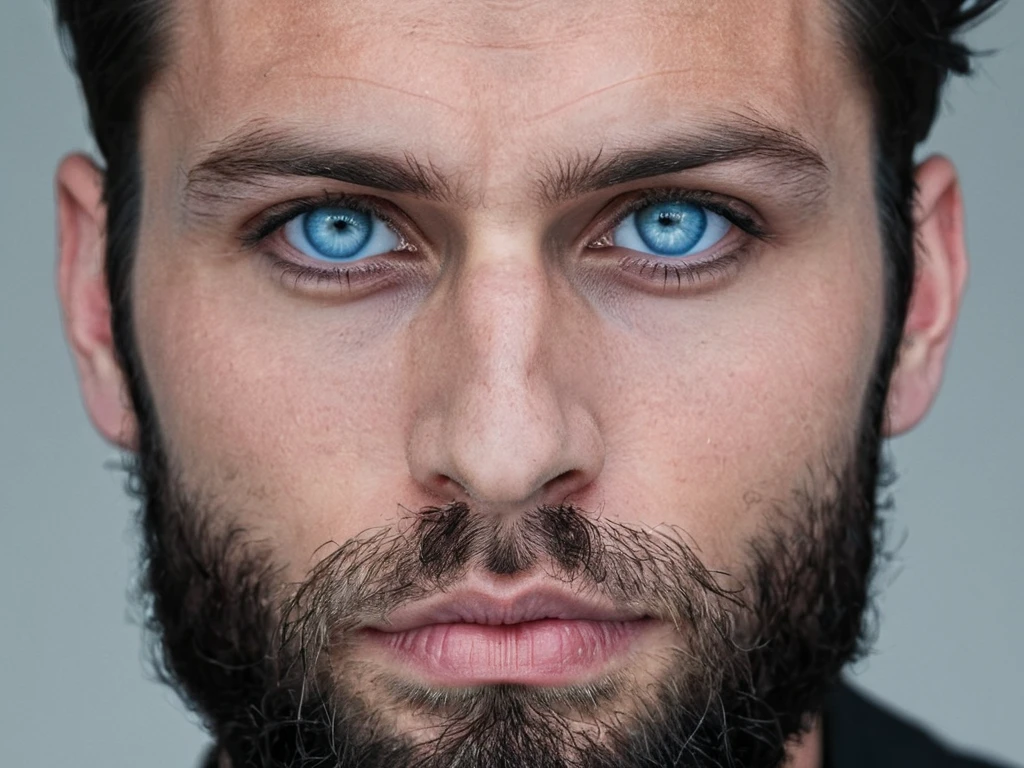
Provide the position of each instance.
(690, 272)
(270, 222)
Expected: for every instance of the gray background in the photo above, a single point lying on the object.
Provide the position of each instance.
(71, 660)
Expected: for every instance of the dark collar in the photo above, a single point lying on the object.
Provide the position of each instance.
(861, 733)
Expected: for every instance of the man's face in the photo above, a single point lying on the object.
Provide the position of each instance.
(626, 260)
(504, 362)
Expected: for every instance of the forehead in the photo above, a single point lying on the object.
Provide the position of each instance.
(470, 81)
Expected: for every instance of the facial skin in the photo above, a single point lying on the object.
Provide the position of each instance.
(504, 362)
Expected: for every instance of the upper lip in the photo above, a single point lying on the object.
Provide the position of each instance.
(490, 606)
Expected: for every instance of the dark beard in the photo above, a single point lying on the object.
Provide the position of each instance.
(258, 660)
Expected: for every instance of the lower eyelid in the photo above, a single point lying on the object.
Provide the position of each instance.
(688, 275)
(296, 276)
(371, 274)
(682, 274)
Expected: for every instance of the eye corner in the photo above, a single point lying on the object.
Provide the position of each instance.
(604, 241)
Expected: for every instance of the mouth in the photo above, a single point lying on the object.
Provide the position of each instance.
(535, 636)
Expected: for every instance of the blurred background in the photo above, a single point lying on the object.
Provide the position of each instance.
(71, 653)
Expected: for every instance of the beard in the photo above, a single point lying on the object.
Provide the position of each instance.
(266, 664)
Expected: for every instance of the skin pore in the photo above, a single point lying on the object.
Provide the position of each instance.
(510, 357)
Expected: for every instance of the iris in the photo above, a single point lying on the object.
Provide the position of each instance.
(337, 234)
(671, 228)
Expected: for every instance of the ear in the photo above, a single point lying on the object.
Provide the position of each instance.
(941, 271)
(81, 285)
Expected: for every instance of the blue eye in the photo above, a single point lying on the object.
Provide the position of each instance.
(340, 234)
(671, 228)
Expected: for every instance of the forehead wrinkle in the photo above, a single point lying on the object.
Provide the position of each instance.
(306, 76)
(510, 26)
(488, 37)
(604, 89)
(244, 45)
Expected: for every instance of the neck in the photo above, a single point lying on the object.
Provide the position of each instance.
(808, 750)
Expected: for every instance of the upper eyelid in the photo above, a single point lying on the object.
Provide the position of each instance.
(271, 220)
(748, 222)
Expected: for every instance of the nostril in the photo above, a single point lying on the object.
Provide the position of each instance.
(565, 484)
(448, 487)
(501, 464)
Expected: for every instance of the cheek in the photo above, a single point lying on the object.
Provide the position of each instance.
(278, 413)
(735, 402)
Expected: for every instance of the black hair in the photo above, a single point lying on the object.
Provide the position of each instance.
(906, 50)
(117, 48)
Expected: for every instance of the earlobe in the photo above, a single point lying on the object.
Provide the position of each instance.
(941, 272)
(85, 302)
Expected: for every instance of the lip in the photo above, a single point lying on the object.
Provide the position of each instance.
(494, 607)
(537, 635)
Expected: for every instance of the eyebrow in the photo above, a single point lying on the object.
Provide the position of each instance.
(252, 157)
(247, 159)
(779, 157)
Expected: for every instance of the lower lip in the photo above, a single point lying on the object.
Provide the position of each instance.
(546, 652)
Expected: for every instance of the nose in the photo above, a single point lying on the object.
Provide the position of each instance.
(503, 416)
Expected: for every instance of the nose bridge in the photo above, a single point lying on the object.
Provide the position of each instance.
(502, 308)
(504, 431)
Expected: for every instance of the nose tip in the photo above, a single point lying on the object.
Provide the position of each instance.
(507, 470)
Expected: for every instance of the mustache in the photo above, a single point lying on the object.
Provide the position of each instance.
(369, 576)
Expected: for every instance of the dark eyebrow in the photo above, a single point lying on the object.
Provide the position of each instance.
(782, 158)
(251, 157)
